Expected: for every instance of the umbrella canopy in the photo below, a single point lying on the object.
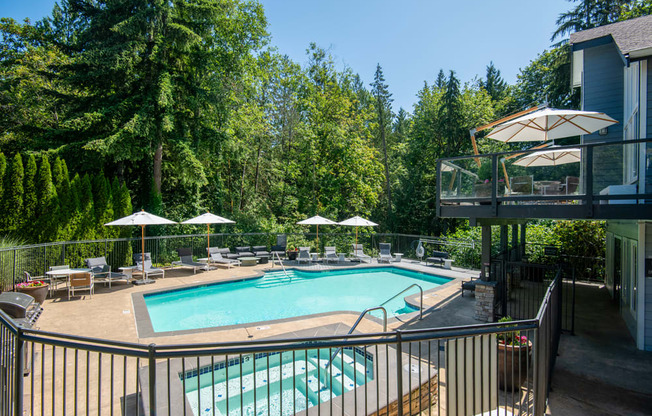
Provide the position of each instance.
(549, 124)
(357, 222)
(143, 219)
(551, 157)
(208, 219)
(317, 220)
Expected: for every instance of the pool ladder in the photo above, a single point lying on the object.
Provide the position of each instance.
(281, 263)
(382, 308)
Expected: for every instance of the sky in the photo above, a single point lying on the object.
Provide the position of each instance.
(411, 39)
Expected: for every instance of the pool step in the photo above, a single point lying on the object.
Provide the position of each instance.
(279, 279)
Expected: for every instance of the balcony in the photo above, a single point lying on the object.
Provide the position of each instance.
(593, 181)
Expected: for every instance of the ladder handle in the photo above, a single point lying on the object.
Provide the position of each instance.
(405, 290)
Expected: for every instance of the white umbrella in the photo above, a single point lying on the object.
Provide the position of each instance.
(357, 222)
(317, 220)
(549, 124)
(208, 219)
(143, 219)
(551, 157)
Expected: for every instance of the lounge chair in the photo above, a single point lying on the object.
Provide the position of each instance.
(358, 253)
(304, 255)
(244, 251)
(81, 281)
(471, 283)
(330, 254)
(225, 252)
(102, 272)
(149, 270)
(185, 254)
(385, 253)
(277, 250)
(260, 251)
(216, 257)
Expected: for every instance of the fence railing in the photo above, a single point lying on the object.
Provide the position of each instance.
(444, 371)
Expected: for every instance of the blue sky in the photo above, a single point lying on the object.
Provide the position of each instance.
(411, 39)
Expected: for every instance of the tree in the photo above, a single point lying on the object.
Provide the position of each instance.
(588, 14)
(3, 170)
(48, 204)
(383, 105)
(636, 8)
(30, 199)
(13, 195)
(494, 84)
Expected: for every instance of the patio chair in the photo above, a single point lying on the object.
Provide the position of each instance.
(56, 279)
(102, 272)
(304, 255)
(330, 254)
(216, 257)
(358, 253)
(471, 283)
(385, 253)
(244, 251)
(522, 185)
(260, 251)
(572, 183)
(185, 254)
(149, 270)
(81, 281)
(225, 252)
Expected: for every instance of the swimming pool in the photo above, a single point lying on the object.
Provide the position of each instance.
(276, 383)
(277, 296)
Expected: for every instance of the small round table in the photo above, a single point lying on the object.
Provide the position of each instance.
(398, 257)
(248, 261)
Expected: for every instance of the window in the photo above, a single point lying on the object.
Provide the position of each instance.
(631, 126)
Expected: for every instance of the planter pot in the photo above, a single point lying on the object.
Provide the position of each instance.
(512, 365)
(292, 255)
(37, 292)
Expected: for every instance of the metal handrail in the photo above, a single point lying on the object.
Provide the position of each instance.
(278, 256)
(405, 290)
(366, 311)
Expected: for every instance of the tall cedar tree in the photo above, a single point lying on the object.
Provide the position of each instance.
(383, 105)
(48, 204)
(157, 72)
(30, 199)
(13, 195)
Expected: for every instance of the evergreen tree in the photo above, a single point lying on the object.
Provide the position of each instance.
(48, 204)
(29, 199)
(13, 195)
(102, 202)
(588, 14)
(86, 230)
(494, 84)
(3, 171)
(383, 105)
(67, 207)
(440, 82)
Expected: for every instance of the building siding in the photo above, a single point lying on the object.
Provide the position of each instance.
(603, 91)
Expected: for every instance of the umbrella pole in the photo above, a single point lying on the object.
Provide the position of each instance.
(356, 235)
(208, 240)
(142, 264)
(317, 237)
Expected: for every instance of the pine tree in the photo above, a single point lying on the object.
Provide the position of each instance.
(29, 198)
(48, 207)
(383, 105)
(66, 202)
(440, 82)
(13, 195)
(494, 84)
(102, 202)
(3, 170)
(86, 209)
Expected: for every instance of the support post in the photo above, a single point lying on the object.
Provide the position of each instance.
(514, 246)
(399, 373)
(486, 248)
(18, 372)
(523, 241)
(152, 379)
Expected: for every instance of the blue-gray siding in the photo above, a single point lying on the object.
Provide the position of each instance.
(648, 291)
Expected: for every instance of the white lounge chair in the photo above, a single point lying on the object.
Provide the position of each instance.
(330, 254)
(359, 253)
(304, 255)
(102, 271)
(185, 254)
(149, 270)
(216, 257)
(385, 253)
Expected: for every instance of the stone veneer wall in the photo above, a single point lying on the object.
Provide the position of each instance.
(421, 398)
(485, 297)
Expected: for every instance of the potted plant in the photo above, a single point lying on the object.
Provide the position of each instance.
(514, 352)
(292, 252)
(35, 288)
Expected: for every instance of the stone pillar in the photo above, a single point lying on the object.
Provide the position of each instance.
(485, 295)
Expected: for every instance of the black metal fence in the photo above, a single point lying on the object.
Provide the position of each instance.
(444, 371)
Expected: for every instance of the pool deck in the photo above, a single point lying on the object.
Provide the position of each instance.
(109, 314)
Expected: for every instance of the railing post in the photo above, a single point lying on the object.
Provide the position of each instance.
(13, 276)
(152, 379)
(573, 305)
(18, 372)
(494, 184)
(399, 372)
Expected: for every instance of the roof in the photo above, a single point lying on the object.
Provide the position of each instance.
(633, 37)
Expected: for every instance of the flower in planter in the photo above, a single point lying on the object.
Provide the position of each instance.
(33, 283)
(511, 338)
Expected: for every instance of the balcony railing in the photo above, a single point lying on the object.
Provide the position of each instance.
(601, 180)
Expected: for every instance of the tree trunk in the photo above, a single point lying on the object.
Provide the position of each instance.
(158, 163)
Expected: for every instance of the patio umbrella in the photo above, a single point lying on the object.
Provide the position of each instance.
(550, 124)
(551, 157)
(357, 222)
(317, 220)
(143, 219)
(208, 219)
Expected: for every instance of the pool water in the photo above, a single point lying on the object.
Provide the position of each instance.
(276, 384)
(279, 296)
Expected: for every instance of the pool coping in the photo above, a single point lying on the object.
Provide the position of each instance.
(381, 386)
(144, 328)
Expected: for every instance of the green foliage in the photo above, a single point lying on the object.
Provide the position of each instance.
(589, 14)
(636, 8)
(30, 199)
(13, 196)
